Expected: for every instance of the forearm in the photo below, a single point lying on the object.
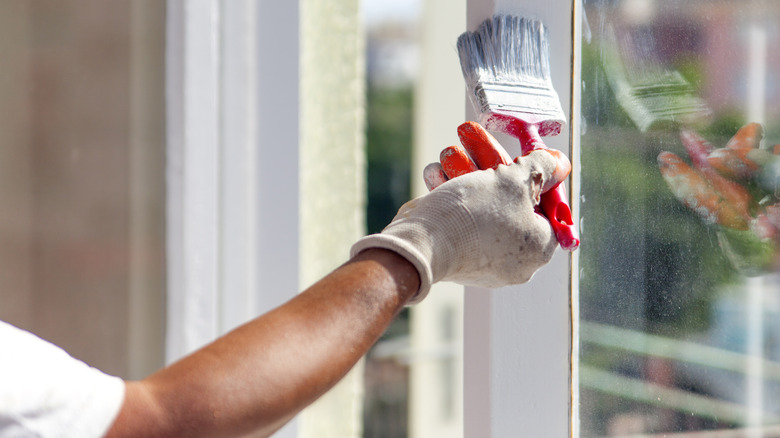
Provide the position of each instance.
(263, 373)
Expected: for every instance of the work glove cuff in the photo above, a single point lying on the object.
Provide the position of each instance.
(405, 249)
(433, 233)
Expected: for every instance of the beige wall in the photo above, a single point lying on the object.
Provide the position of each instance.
(436, 384)
(68, 115)
(332, 176)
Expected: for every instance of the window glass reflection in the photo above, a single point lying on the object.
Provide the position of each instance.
(679, 292)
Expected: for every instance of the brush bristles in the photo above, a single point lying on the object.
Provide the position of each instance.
(506, 67)
(505, 48)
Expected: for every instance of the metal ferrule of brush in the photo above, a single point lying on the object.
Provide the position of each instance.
(540, 101)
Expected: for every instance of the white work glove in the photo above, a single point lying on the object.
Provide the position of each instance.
(477, 229)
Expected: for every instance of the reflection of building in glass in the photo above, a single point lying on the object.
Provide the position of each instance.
(710, 43)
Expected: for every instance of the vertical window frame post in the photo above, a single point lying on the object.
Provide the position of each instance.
(518, 340)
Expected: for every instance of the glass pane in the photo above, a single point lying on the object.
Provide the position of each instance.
(679, 296)
(81, 177)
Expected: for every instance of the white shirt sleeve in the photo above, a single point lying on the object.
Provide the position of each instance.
(44, 392)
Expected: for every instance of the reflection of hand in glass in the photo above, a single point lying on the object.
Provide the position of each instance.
(734, 188)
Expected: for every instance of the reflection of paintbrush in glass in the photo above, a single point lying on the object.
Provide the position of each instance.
(653, 96)
(506, 67)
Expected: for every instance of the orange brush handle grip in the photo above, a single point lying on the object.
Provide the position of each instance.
(483, 148)
(456, 162)
(482, 151)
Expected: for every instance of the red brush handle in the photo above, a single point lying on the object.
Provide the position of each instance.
(557, 211)
(553, 202)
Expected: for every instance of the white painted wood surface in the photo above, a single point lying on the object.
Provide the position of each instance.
(192, 87)
(232, 171)
(238, 193)
(239, 164)
(518, 339)
(232, 93)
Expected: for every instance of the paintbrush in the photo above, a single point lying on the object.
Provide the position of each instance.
(506, 68)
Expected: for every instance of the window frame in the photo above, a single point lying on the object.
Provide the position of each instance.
(220, 236)
(520, 342)
(228, 228)
(520, 382)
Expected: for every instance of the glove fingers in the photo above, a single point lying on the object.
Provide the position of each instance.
(483, 148)
(434, 176)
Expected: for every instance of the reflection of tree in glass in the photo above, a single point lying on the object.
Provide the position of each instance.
(646, 262)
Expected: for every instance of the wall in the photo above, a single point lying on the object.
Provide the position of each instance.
(518, 339)
(436, 384)
(81, 262)
(332, 179)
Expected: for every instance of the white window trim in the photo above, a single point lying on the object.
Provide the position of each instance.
(235, 184)
(574, 300)
(518, 340)
(220, 101)
(192, 101)
(232, 100)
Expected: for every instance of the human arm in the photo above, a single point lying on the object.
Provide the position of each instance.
(260, 375)
(480, 228)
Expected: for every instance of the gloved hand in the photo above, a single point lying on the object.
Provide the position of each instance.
(733, 189)
(477, 229)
